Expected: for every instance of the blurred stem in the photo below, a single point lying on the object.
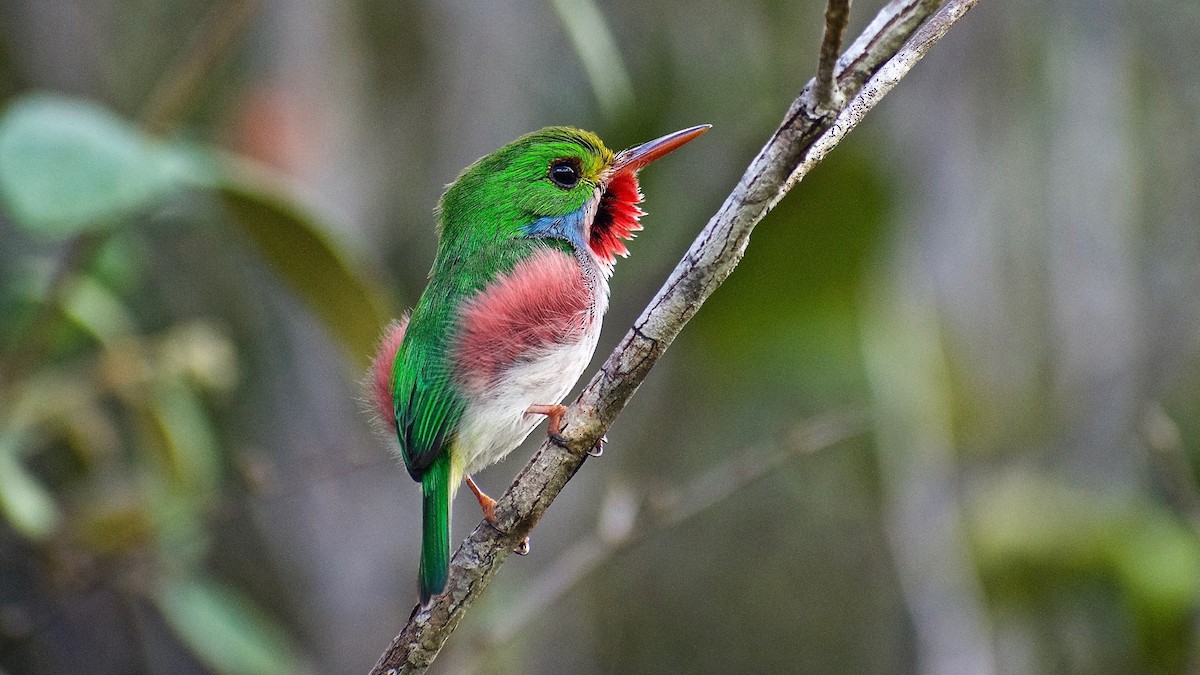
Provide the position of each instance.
(161, 115)
(910, 384)
(593, 41)
(177, 88)
(897, 38)
(625, 522)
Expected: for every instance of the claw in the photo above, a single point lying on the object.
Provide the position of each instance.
(523, 547)
(598, 448)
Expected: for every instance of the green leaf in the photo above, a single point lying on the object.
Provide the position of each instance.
(193, 453)
(597, 50)
(225, 630)
(297, 247)
(68, 164)
(97, 310)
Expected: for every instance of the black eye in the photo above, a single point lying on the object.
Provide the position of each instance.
(565, 173)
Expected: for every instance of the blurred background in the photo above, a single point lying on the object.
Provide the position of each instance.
(942, 419)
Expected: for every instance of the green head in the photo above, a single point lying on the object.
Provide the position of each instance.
(558, 183)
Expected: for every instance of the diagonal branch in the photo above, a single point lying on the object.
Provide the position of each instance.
(889, 47)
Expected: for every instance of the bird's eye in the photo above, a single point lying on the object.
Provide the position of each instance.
(565, 173)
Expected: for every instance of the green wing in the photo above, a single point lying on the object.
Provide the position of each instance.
(428, 407)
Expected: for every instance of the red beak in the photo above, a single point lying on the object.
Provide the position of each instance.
(640, 155)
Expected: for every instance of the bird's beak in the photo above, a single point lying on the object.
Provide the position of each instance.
(640, 155)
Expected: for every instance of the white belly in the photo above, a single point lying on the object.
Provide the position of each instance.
(495, 422)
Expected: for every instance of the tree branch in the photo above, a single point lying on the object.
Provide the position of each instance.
(872, 65)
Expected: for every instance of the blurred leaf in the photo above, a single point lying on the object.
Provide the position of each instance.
(179, 521)
(25, 502)
(97, 310)
(225, 630)
(1032, 535)
(1035, 526)
(192, 449)
(597, 50)
(1158, 562)
(1031, 522)
(68, 164)
(307, 260)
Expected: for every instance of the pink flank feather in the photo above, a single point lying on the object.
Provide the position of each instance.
(543, 303)
(379, 375)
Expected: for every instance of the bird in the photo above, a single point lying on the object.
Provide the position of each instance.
(527, 240)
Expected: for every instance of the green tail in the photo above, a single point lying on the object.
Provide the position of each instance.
(435, 527)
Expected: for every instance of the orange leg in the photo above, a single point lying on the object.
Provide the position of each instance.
(489, 513)
(554, 413)
(485, 502)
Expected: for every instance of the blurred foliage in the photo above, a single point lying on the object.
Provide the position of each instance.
(789, 315)
(140, 468)
(66, 165)
(998, 266)
(1038, 541)
(303, 256)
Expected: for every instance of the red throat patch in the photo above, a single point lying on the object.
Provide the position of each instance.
(617, 217)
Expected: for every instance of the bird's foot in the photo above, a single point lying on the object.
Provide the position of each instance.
(488, 505)
(554, 413)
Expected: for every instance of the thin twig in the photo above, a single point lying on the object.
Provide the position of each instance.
(626, 522)
(869, 69)
(827, 94)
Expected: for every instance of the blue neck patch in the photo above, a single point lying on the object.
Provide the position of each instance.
(568, 227)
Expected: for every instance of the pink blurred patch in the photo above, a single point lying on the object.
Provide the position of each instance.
(282, 126)
(379, 375)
